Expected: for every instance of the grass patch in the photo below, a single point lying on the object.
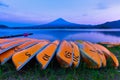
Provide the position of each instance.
(35, 73)
(55, 72)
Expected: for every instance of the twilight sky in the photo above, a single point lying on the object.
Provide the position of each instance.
(32, 12)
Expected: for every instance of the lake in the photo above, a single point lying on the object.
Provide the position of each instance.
(93, 35)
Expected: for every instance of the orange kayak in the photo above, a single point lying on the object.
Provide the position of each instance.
(44, 57)
(23, 57)
(90, 56)
(10, 45)
(100, 53)
(76, 55)
(4, 57)
(65, 54)
(4, 40)
(109, 54)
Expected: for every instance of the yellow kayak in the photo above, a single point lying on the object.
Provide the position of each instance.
(44, 57)
(65, 54)
(21, 58)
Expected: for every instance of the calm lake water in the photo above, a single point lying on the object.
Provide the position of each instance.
(93, 35)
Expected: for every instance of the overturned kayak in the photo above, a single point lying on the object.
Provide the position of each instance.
(89, 55)
(10, 45)
(23, 57)
(65, 54)
(4, 57)
(100, 53)
(109, 54)
(76, 54)
(4, 40)
(44, 57)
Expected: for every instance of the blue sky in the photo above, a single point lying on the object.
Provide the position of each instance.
(32, 12)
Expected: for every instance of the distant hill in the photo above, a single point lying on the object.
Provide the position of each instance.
(3, 26)
(109, 25)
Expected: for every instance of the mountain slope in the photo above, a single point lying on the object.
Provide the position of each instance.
(110, 25)
(61, 23)
(3, 26)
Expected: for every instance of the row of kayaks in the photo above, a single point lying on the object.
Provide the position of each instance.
(67, 53)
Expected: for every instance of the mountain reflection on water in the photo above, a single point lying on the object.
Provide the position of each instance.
(88, 35)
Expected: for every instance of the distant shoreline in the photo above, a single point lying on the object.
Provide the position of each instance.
(56, 28)
(67, 29)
